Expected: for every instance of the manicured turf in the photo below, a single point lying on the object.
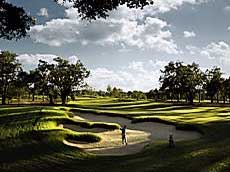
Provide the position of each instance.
(30, 139)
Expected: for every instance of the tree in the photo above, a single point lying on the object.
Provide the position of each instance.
(9, 68)
(179, 78)
(226, 89)
(67, 77)
(115, 92)
(153, 94)
(15, 22)
(45, 86)
(33, 84)
(21, 84)
(169, 79)
(109, 90)
(138, 95)
(213, 82)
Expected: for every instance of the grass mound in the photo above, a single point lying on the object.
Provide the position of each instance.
(83, 124)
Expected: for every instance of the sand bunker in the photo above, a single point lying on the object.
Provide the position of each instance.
(138, 134)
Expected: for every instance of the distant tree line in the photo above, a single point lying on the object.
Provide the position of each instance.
(179, 83)
(113, 92)
(63, 80)
(59, 79)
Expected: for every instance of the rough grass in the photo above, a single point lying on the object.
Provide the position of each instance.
(30, 140)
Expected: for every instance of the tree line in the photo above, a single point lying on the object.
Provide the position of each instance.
(58, 79)
(62, 80)
(181, 83)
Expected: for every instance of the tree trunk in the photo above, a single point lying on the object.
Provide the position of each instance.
(63, 99)
(32, 96)
(18, 98)
(178, 98)
(217, 97)
(224, 99)
(51, 99)
(199, 96)
(211, 97)
(190, 98)
(3, 99)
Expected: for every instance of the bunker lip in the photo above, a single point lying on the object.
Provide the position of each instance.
(139, 135)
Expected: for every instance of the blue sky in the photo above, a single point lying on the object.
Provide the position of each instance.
(129, 48)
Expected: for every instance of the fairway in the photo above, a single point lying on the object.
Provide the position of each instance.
(79, 137)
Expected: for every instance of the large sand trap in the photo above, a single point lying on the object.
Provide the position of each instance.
(138, 134)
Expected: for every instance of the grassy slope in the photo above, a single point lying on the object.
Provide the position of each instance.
(31, 141)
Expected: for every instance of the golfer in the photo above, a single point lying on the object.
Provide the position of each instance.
(123, 135)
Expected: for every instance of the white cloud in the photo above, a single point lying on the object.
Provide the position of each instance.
(218, 50)
(125, 27)
(136, 66)
(167, 5)
(189, 34)
(152, 33)
(30, 61)
(138, 76)
(43, 12)
(73, 59)
(192, 49)
(158, 64)
(56, 32)
(163, 6)
(227, 8)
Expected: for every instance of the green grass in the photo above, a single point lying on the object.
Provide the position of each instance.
(31, 141)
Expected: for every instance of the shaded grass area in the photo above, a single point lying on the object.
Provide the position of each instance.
(34, 133)
(30, 140)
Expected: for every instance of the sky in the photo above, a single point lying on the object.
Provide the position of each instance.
(128, 49)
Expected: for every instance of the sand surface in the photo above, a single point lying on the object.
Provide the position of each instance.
(138, 134)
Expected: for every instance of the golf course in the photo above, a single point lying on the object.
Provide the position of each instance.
(85, 136)
(114, 86)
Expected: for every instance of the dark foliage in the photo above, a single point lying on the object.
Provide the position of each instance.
(94, 9)
(14, 21)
